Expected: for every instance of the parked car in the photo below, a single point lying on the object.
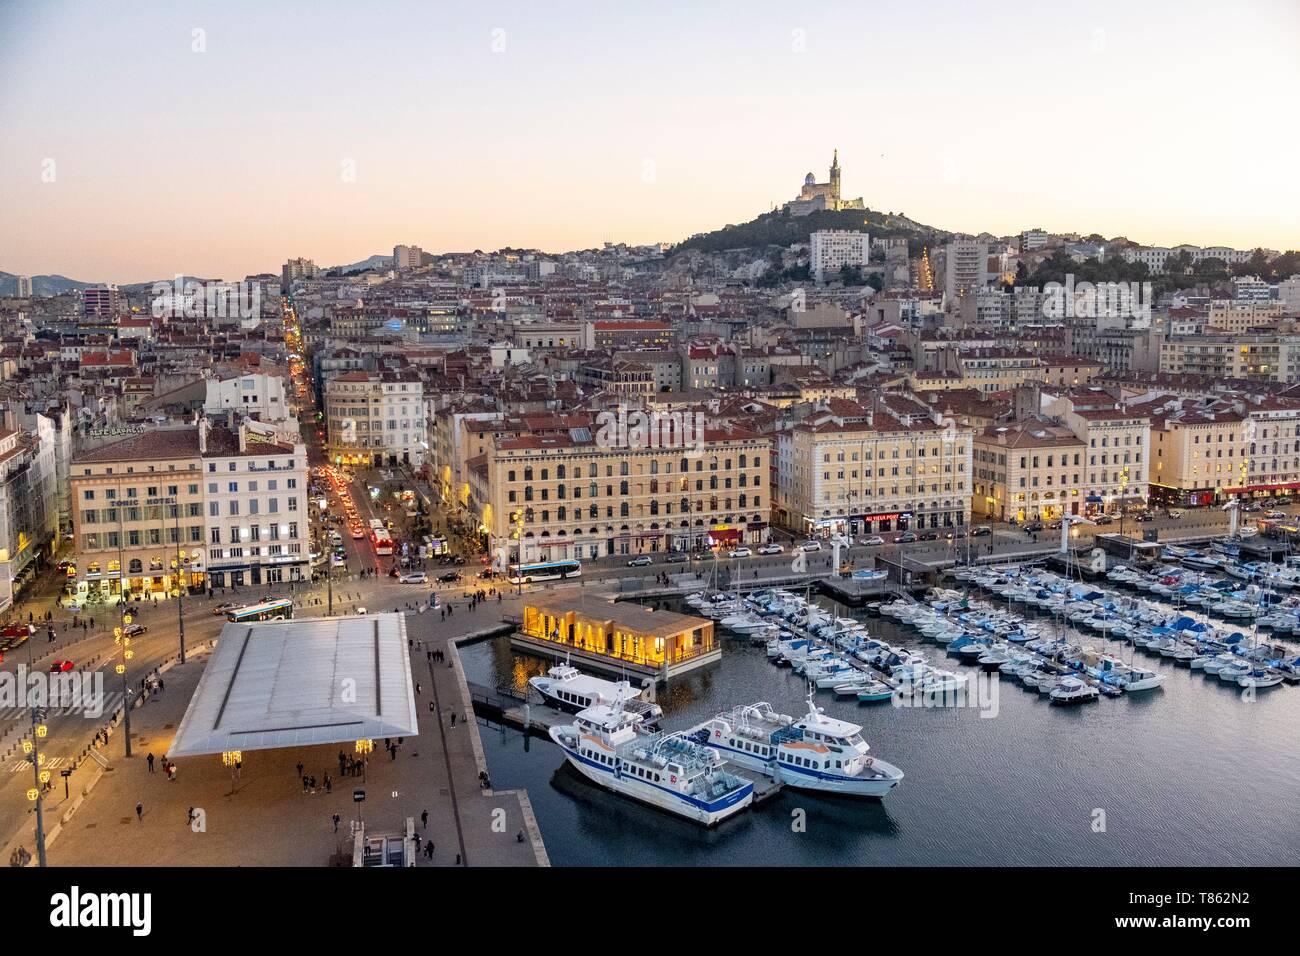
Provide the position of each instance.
(741, 553)
(1267, 514)
(1034, 526)
(414, 577)
(1144, 516)
(61, 667)
(1103, 519)
(1284, 500)
(928, 536)
(772, 548)
(810, 546)
(907, 537)
(133, 630)
(955, 533)
(677, 557)
(1176, 513)
(448, 577)
(640, 561)
(980, 530)
(1054, 525)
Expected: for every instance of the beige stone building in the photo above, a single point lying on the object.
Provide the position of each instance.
(1027, 470)
(570, 495)
(878, 470)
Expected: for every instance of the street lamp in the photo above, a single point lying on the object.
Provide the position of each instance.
(40, 776)
(121, 639)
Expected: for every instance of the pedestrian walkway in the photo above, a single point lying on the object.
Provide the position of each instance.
(264, 815)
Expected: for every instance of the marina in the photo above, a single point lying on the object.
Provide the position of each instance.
(1002, 758)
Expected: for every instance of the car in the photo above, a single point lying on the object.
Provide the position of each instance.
(874, 540)
(955, 533)
(1144, 516)
(1250, 506)
(980, 530)
(771, 549)
(134, 630)
(414, 577)
(1054, 525)
(1175, 513)
(676, 557)
(1284, 500)
(1267, 514)
(221, 610)
(447, 577)
(61, 667)
(640, 561)
(361, 610)
(741, 553)
(1103, 519)
(810, 546)
(487, 573)
(358, 532)
(907, 537)
(1034, 526)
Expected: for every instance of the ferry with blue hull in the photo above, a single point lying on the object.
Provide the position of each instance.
(814, 753)
(608, 746)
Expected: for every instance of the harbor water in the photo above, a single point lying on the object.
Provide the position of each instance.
(1189, 774)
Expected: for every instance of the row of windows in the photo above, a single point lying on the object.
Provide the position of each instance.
(112, 540)
(624, 468)
(151, 491)
(253, 532)
(593, 490)
(624, 509)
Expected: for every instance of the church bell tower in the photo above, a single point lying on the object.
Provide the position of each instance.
(835, 180)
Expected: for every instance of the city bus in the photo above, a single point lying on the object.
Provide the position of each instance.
(277, 610)
(380, 537)
(543, 571)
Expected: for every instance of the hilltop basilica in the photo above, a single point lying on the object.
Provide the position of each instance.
(816, 197)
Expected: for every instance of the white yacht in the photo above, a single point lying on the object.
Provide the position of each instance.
(814, 753)
(667, 771)
(1071, 690)
(569, 689)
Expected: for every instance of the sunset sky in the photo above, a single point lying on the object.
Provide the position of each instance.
(563, 125)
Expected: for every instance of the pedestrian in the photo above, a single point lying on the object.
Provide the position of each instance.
(300, 768)
(453, 720)
(428, 850)
(189, 819)
(431, 707)
(418, 687)
(304, 783)
(458, 859)
(139, 812)
(335, 818)
(424, 819)
(329, 784)
(148, 759)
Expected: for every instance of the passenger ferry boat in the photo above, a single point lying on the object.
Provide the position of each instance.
(569, 689)
(664, 770)
(814, 753)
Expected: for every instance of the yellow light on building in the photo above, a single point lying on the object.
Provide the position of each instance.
(365, 746)
(120, 669)
(232, 757)
(27, 746)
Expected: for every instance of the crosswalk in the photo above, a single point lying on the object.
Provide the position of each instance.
(51, 763)
(112, 701)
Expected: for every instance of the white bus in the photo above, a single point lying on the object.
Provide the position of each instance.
(544, 571)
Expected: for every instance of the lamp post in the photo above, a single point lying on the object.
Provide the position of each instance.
(175, 505)
(40, 776)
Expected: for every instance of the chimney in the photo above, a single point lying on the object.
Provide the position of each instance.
(243, 438)
(203, 435)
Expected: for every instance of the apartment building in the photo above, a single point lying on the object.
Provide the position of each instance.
(966, 268)
(138, 514)
(565, 495)
(1198, 448)
(1028, 470)
(376, 418)
(847, 471)
(833, 249)
(1243, 314)
(1117, 442)
(1265, 357)
(255, 503)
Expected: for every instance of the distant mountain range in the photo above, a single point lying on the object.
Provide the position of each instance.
(374, 262)
(41, 285)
